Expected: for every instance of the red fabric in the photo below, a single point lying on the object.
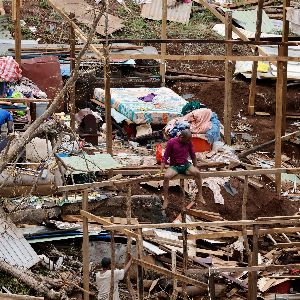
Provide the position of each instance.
(9, 69)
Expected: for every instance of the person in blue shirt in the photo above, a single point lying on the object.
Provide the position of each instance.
(6, 117)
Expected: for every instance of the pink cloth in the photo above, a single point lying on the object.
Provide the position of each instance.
(9, 69)
(199, 120)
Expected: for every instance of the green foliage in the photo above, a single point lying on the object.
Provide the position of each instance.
(33, 20)
(44, 4)
(14, 285)
(26, 33)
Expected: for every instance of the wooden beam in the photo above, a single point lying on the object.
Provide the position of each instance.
(113, 262)
(4, 296)
(255, 63)
(102, 221)
(201, 224)
(185, 255)
(16, 12)
(168, 273)
(228, 81)
(182, 57)
(237, 233)
(163, 47)
(254, 261)
(85, 249)
(112, 183)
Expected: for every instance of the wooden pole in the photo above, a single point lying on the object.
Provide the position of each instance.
(185, 255)
(255, 260)
(244, 213)
(175, 291)
(278, 119)
(129, 242)
(255, 63)
(113, 262)
(285, 38)
(212, 287)
(228, 81)
(85, 248)
(163, 48)
(140, 277)
(72, 67)
(16, 15)
(107, 95)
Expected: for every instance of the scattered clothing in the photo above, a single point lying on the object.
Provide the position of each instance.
(214, 184)
(229, 189)
(189, 107)
(148, 98)
(179, 126)
(199, 120)
(213, 134)
(178, 152)
(28, 89)
(10, 70)
(103, 284)
(5, 116)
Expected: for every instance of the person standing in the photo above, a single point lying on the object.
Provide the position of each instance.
(103, 279)
(178, 150)
(6, 117)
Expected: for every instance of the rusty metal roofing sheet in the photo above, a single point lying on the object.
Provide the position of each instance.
(179, 13)
(14, 249)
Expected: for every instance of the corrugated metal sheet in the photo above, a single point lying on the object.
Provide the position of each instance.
(179, 13)
(14, 249)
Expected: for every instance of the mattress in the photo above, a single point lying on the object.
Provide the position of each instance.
(165, 105)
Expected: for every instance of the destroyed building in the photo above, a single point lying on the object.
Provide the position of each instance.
(149, 149)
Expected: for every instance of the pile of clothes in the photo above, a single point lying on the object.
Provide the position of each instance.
(199, 119)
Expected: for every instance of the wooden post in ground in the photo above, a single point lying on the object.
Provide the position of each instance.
(140, 277)
(113, 262)
(16, 16)
(285, 38)
(278, 119)
(72, 96)
(85, 248)
(228, 81)
(107, 95)
(163, 48)
(212, 287)
(252, 93)
(185, 255)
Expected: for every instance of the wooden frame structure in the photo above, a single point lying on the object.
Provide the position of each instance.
(281, 61)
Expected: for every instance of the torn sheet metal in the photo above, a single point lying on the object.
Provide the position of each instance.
(89, 163)
(247, 20)
(293, 15)
(176, 12)
(85, 14)
(14, 249)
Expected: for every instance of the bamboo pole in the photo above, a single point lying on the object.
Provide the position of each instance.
(72, 67)
(85, 248)
(255, 63)
(107, 95)
(163, 48)
(228, 81)
(16, 14)
(113, 262)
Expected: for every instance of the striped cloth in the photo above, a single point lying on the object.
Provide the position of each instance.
(9, 69)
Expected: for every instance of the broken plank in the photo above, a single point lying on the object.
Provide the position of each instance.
(205, 215)
(211, 252)
(18, 297)
(117, 220)
(252, 182)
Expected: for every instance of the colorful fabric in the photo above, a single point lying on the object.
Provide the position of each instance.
(9, 69)
(5, 116)
(199, 120)
(178, 152)
(179, 126)
(165, 106)
(182, 169)
(213, 134)
(190, 106)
